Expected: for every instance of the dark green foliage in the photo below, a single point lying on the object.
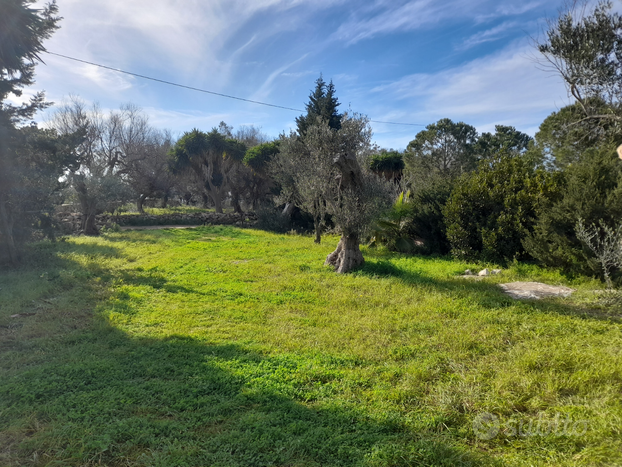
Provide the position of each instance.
(590, 190)
(258, 157)
(427, 221)
(505, 139)
(271, 219)
(322, 104)
(27, 176)
(35, 160)
(22, 32)
(389, 164)
(415, 223)
(212, 159)
(491, 210)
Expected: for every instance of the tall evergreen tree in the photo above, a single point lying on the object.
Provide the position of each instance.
(322, 103)
(22, 31)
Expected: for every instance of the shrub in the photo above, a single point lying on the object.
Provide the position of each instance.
(491, 210)
(415, 223)
(427, 221)
(271, 218)
(591, 190)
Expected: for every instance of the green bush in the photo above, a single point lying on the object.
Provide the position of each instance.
(393, 229)
(492, 209)
(271, 219)
(415, 223)
(427, 221)
(591, 190)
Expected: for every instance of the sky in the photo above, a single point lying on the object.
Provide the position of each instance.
(393, 60)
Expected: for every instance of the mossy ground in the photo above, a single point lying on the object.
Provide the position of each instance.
(218, 346)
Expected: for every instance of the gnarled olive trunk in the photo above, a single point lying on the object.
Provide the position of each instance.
(88, 206)
(317, 223)
(6, 228)
(347, 256)
(139, 203)
(216, 198)
(235, 202)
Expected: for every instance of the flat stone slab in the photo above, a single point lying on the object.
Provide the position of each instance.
(535, 290)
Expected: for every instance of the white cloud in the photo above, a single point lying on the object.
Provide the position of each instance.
(504, 88)
(510, 10)
(264, 91)
(419, 14)
(489, 35)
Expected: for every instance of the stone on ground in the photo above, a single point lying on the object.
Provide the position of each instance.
(535, 290)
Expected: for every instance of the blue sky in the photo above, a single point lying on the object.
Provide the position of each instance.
(403, 61)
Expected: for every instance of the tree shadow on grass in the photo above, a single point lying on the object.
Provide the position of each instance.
(179, 401)
(154, 280)
(483, 293)
(97, 395)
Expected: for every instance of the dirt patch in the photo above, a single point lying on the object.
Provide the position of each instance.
(535, 290)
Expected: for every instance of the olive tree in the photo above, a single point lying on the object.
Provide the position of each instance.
(122, 157)
(586, 51)
(210, 159)
(325, 173)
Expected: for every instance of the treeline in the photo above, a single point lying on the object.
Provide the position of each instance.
(503, 196)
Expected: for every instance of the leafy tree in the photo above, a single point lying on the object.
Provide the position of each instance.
(586, 51)
(444, 149)
(427, 220)
(389, 164)
(505, 139)
(564, 136)
(305, 171)
(491, 210)
(323, 104)
(211, 158)
(22, 32)
(260, 184)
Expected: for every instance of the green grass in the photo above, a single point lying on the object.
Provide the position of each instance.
(130, 210)
(219, 346)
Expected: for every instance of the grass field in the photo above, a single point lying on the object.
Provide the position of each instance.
(226, 347)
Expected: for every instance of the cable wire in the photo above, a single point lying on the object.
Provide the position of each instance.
(170, 83)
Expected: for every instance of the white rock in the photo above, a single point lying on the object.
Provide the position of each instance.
(468, 272)
(496, 271)
(484, 272)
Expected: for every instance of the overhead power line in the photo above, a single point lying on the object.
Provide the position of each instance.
(170, 83)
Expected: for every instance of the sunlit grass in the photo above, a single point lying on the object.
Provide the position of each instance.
(222, 346)
(130, 209)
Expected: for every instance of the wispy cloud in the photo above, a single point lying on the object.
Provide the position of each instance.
(489, 35)
(503, 88)
(509, 9)
(390, 17)
(264, 90)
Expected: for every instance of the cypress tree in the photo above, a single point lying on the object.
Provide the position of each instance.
(322, 103)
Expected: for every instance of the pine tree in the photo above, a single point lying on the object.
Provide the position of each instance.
(22, 30)
(322, 103)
